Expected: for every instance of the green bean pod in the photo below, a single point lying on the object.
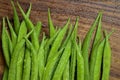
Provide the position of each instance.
(16, 19)
(58, 41)
(85, 47)
(73, 62)
(10, 45)
(95, 45)
(5, 74)
(34, 60)
(48, 44)
(22, 32)
(38, 28)
(97, 69)
(50, 24)
(66, 75)
(13, 63)
(41, 58)
(27, 65)
(51, 65)
(19, 66)
(14, 57)
(62, 63)
(98, 34)
(106, 59)
(5, 44)
(93, 59)
(97, 66)
(13, 34)
(80, 64)
(73, 54)
(30, 26)
(68, 36)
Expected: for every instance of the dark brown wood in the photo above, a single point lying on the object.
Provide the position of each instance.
(62, 9)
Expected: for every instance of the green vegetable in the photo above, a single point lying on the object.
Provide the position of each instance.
(80, 64)
(58, 41)
(66, 75)
(38, 28)
(13, 63)
(51, 65)
(34, 58)
(50, 24)
(16, 19)
(13, 34)
(41, 58)
(5, 75)
(58, 56)
(30, 26)
(19, 64)
(94, 51)
(62, 63)
(5, 44)
(48, 44)
(85, 47)
(73, 54)
(27, 65)
(106, 59)
(22, 32)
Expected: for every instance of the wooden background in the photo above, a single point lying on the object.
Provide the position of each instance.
(62, 9)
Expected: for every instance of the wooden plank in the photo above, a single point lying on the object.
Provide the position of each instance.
(62, 9)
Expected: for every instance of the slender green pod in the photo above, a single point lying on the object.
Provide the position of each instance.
(97, 66)
(73, 54)
(74, 34)
(48, 44)
(16, 18)
(95, 45)
(62, 63)
(58, 41)
(50, 24)
(97, 69)
(27, 65)
(5, 74)
(5, 44)
(66, 73)
(106, 59)
(85, 47)
(68, 36)
(12, 32)
(29, 10)
(14, 57)
(41, 58)
(98, 34)
(22, 32)
(23, 28)
(34, 60)
(73, 62)
(10, 45)
(51, 65)
(80, 64)
(30, 26)
(92, 64)
(19, 66)
(38, 27)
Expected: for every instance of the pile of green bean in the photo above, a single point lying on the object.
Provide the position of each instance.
(59, 56)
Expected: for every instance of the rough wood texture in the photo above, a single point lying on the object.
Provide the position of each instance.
(62, 9)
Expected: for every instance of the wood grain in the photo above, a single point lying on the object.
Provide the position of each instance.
(62, 9)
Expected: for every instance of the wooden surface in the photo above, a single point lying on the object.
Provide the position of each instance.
(62, 9)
